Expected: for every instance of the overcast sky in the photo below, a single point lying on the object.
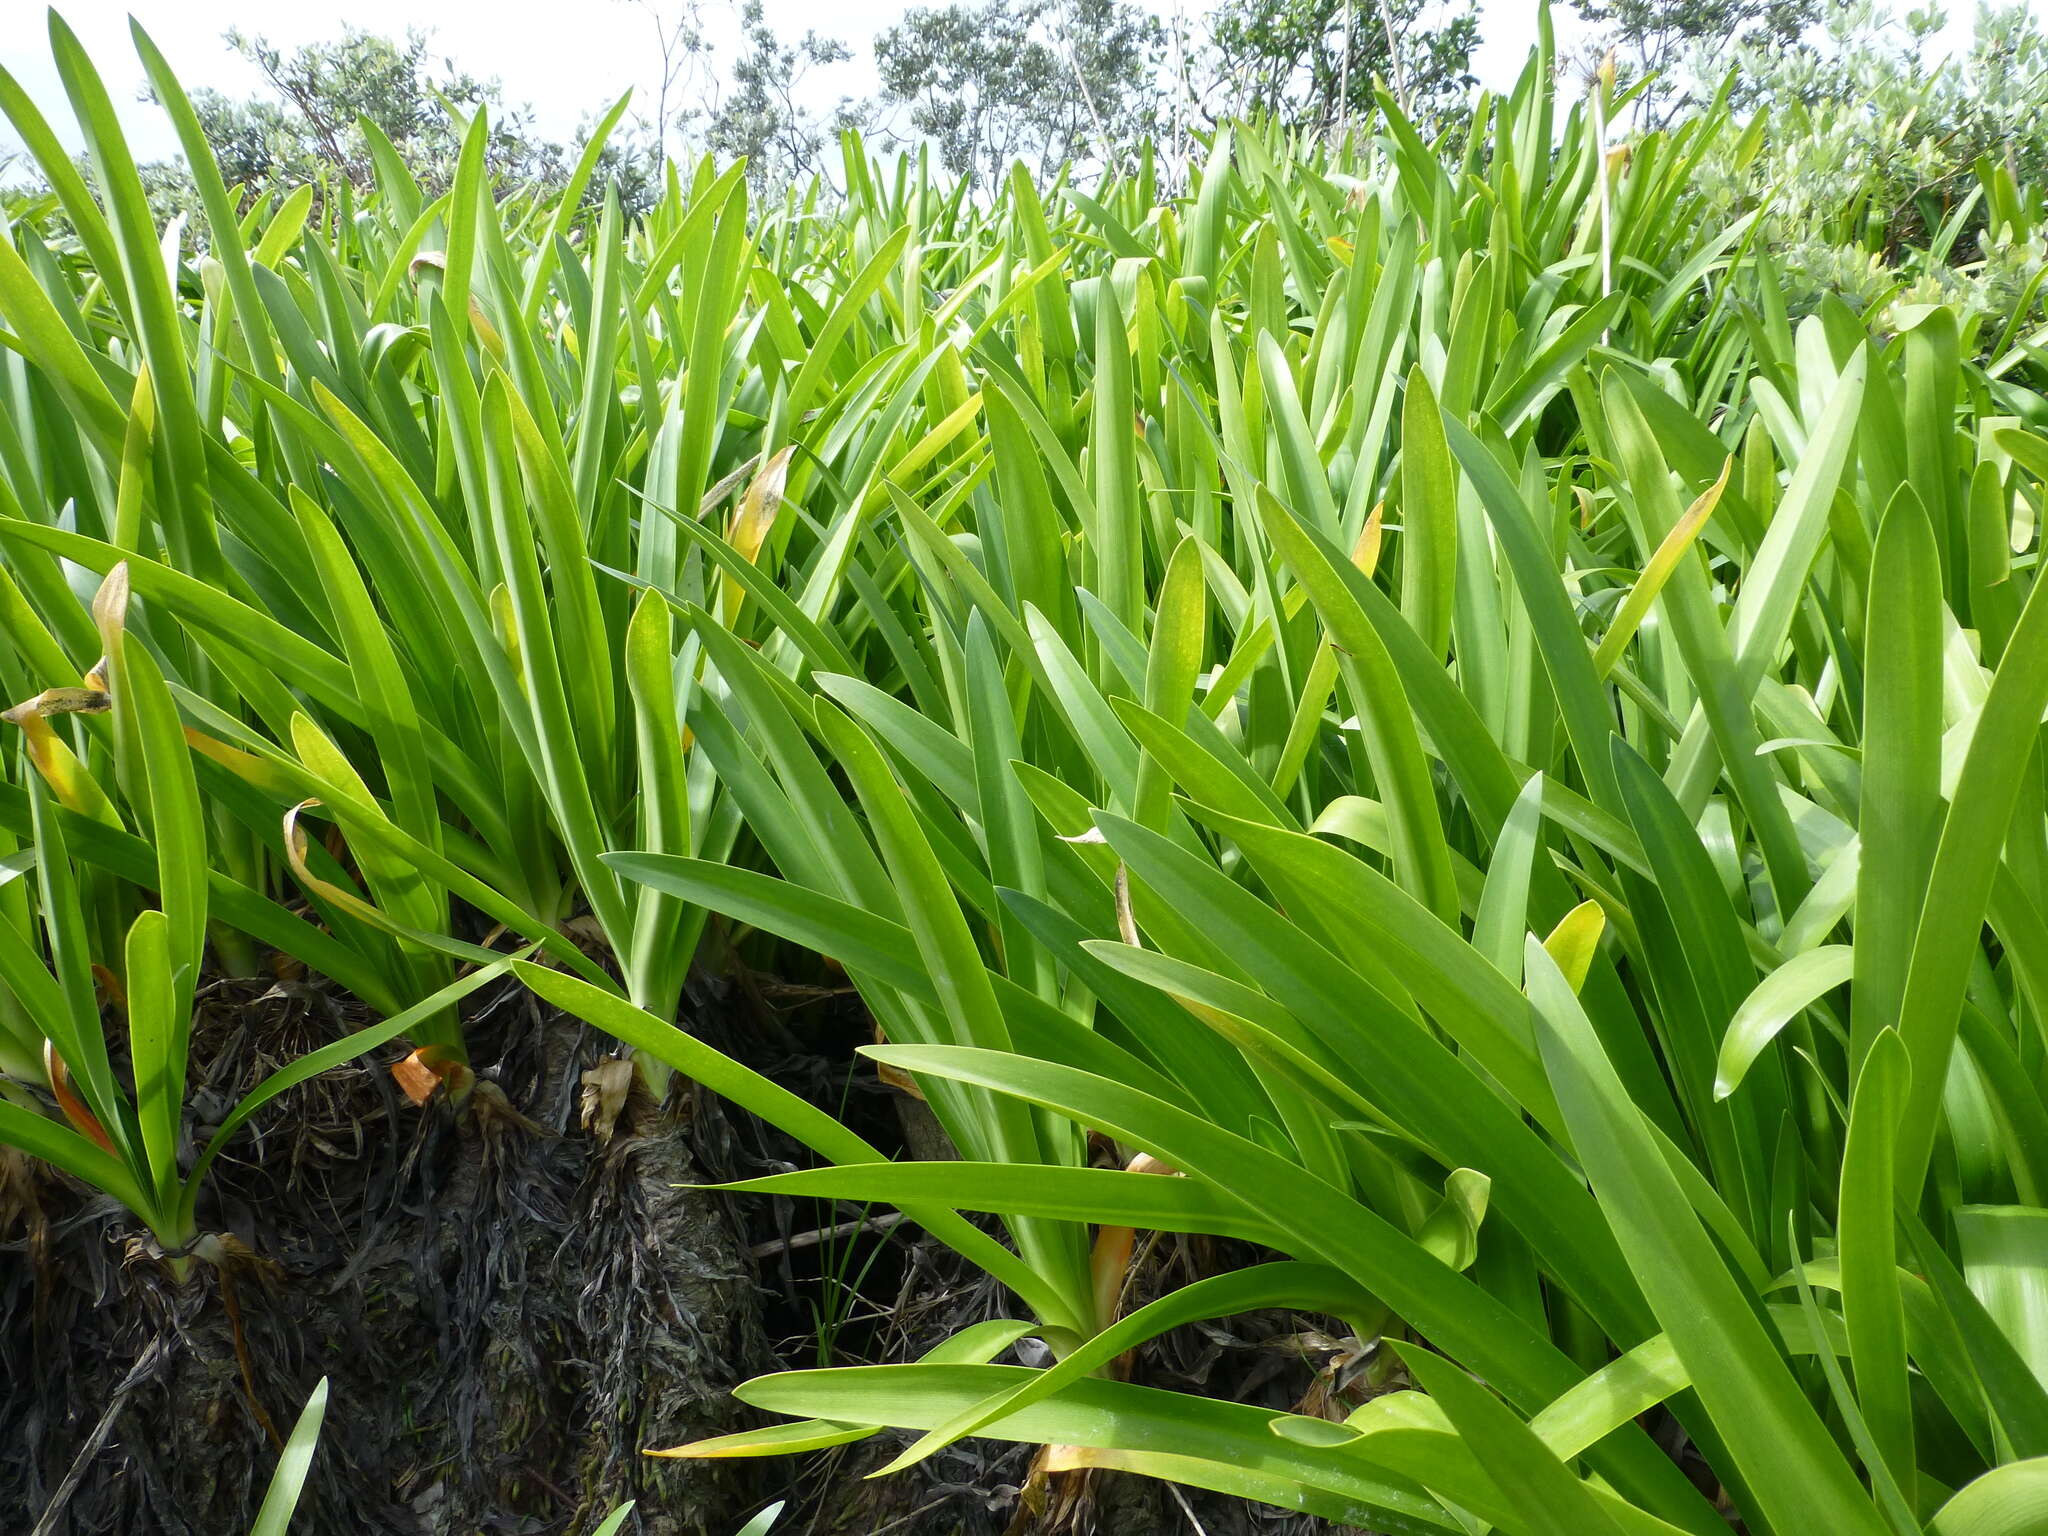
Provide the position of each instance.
(565, 58)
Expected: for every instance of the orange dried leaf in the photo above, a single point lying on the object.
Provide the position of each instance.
(896, 1077)
(427, 1068)
(416, 1078)
(82, 1119)
(110, 986)
(430, 1067)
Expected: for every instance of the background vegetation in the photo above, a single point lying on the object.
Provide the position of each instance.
(1420, 719)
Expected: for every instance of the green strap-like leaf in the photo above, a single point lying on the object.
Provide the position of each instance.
(1786, 1457)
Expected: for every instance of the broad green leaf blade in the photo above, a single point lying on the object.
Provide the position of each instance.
(1787, 1459)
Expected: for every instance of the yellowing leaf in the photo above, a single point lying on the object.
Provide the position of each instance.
(73, 784)
(1365, 554)
(753, 520)
(1636, 606)
(1572, 942)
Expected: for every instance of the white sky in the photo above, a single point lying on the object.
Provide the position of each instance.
(566, 59)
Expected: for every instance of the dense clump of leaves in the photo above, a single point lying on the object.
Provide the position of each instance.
(1396, 704)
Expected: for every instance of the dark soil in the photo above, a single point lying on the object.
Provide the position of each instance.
(509, 1308)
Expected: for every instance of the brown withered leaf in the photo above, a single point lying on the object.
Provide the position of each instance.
(60, 701)
(606, 1087)
(1126, 923)
(895, 1077)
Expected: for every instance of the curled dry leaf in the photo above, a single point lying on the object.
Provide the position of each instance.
(68, 778)
(1126, 924)
(606, 1088)
(428, 1068)
(415, 1078)
(110, 606)
(60, 701)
